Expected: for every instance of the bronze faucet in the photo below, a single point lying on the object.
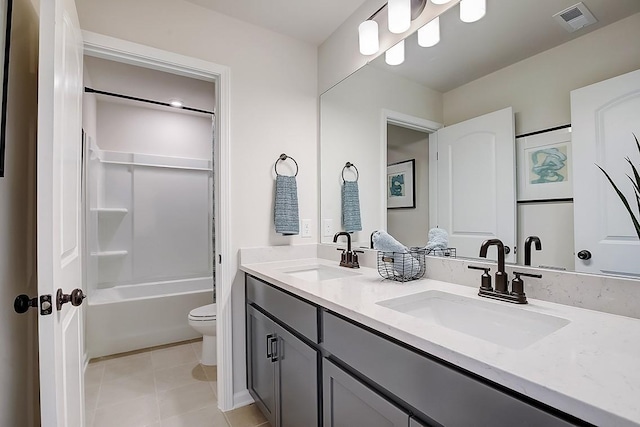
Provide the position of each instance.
(501, 291)
(349, 258)
(502, 281)
(527, 248)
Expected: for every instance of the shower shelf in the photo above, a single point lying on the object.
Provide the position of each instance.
(109, 254)
(110, 210)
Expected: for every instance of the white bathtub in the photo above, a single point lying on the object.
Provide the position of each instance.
(132, 317)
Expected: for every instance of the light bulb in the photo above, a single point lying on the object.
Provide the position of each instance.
(399, 15)
(440, 1)
(368, 35)
(395, 54)
(429, 35)
(472, 10)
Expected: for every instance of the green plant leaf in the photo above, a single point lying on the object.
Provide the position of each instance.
(635, 183)
(624, 200)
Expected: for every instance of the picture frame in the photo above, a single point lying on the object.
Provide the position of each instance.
(400, 185)
(6, 7)
(544, 166)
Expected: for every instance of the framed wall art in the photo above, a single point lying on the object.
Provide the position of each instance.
(544, 166)
(401, 190)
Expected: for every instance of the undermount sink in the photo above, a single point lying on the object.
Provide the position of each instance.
(318, 273)
(495, 322)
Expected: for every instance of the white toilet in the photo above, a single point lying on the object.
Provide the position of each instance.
(203, 320)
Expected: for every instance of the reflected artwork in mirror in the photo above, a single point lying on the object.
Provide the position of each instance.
(533, 67)
(5, 37)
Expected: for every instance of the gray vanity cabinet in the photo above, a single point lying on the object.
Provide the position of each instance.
(439, 392)
(297, 372)
(261, 372)
(347, 402)
(282, 369)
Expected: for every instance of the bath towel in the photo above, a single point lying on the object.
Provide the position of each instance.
(438, 239)
(286, 206)
(404, 264)
(351, 207)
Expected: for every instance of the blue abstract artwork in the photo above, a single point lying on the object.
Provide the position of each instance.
(548, 165)
(396, 185)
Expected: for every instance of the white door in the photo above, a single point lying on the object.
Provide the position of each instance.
(477, 184)
(58, 212)
(604, 117)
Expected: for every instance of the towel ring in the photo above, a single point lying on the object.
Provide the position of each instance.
(350, 165)
(284, 157)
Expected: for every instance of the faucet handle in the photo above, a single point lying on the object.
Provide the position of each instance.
(357, 251)
(517, 285)
(518, 274)
(485, 283)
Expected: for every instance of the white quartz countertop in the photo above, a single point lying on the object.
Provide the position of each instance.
(589, 368)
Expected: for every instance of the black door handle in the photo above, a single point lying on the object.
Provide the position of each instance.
(23, 303)
(584, 255)
(75, 298)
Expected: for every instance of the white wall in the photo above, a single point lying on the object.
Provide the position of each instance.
(273, 110)
(351, 130)
(410, 226)
(18, 333)
(538, 87)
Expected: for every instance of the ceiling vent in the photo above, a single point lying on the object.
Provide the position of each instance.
(575, 17)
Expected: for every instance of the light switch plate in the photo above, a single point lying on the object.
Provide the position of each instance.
(306, 228)
(327, 227)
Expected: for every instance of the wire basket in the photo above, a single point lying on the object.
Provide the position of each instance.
(448, 252)
(402, 267)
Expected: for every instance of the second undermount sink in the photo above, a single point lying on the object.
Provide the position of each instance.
(316, 273)
(501, 324)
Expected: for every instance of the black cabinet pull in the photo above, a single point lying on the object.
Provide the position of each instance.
(269, 341)
(274, 349)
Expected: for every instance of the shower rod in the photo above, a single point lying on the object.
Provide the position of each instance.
(149, 101)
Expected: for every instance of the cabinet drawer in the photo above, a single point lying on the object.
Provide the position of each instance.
(293, 312)
(441, 393)
(348, 402)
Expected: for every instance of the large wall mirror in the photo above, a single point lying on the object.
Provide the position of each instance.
(517, 62)
(5, 37)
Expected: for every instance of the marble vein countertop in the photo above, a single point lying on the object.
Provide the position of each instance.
(589, 368)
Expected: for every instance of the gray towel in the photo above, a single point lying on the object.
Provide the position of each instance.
(286, 210)
(351, 207)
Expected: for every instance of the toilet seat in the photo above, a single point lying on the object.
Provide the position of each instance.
(206, 313)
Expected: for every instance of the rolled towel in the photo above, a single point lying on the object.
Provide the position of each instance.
(438, 239)
(404, 264)
(351, 207)
(286, 205)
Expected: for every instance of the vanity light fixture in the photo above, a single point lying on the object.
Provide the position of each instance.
(399, 15)
(429, 35)
(395, 54)
(176, 103)
(368, 36)
(472, 10)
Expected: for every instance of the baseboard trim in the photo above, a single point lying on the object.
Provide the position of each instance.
(242, 398)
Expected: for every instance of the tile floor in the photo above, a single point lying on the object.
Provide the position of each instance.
(159, 387)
